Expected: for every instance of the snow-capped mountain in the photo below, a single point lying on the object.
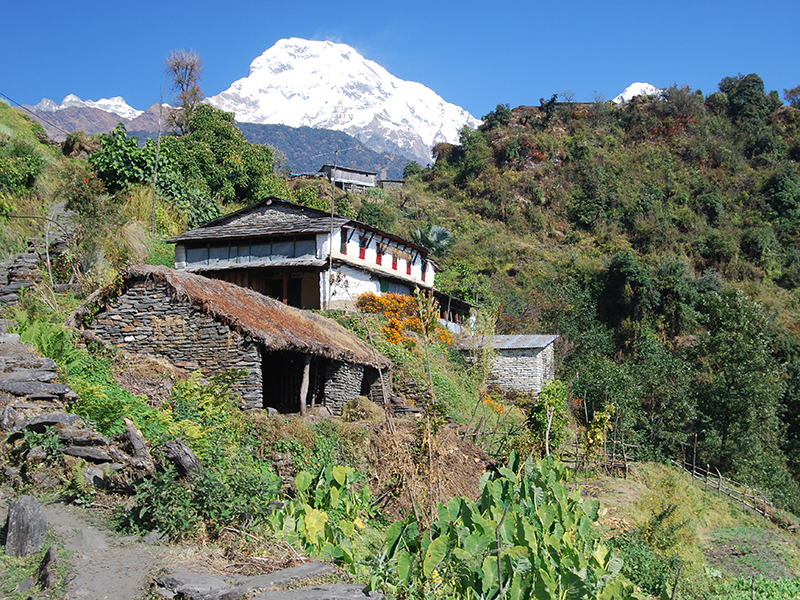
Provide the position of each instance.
(637, 89)
(328, 85)
(115, 105)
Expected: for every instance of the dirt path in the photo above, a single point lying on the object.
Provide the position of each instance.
(103, 566)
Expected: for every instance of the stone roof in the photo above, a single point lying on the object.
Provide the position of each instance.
(507, 342)
(272, 216)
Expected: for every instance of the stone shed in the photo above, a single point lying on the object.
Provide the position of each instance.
(522, 363)
(294, 359)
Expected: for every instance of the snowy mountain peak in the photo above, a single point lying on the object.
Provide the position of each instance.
(115, 105)
(330, 85)
(637, 89)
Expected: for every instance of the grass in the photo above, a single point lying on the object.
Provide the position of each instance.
(15, 570)
(720, 547)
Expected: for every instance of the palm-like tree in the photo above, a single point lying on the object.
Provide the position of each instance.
(435, 238)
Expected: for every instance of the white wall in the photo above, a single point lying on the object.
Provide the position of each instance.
(370, 257)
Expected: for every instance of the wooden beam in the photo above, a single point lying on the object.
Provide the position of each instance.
(304, 384)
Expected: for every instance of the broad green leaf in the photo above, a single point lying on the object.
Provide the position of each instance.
(437, 550)
(476, 543)
(392, 536)
(405, 564)
(600, 554)
(334, 497)
(303, 480)
(508, 474)
(591, 507)
(454, 507)
(340, 474)
(520, 587)
(615, 563)
(462, 555)
(490, 581)
(315, 524)
(347, 527)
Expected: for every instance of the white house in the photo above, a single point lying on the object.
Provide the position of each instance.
(308, 258)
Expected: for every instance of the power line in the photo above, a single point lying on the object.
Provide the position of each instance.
(34, 115)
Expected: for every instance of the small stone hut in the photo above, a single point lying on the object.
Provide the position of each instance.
(522, 363)
(294, 359)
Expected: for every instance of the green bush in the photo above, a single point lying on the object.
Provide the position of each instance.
(528, 536)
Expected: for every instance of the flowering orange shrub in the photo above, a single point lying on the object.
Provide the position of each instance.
(494, 405)
(403, 318)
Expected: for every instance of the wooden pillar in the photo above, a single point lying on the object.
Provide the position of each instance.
(285, 294)
(304, 384)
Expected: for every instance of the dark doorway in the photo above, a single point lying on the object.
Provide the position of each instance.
(282, 376)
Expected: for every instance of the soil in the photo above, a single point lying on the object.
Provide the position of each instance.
(749, 551)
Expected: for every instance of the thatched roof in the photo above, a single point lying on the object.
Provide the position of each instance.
(275, 325)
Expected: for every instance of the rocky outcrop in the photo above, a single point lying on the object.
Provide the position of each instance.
(26, 527)
(193, 586)
(30, 401)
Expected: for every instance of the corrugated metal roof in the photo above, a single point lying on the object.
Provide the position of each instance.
(507, 342)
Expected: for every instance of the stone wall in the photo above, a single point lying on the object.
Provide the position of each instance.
(342, 384)
(523, 370)
(372, 382)
(146, 320)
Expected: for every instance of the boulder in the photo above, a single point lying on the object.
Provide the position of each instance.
(42, 422)
(336, 591)
(194, 586)
(276, 579)
(26, 527)
(44, 375)
(73, 436)
(47, 574)
(89, 453)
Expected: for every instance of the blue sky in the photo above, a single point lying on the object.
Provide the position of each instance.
(473, 54)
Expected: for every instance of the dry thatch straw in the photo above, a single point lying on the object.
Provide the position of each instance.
(275, 325)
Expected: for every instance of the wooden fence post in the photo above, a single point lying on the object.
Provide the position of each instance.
(694, 458)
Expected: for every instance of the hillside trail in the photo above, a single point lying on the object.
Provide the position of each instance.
(103, 565)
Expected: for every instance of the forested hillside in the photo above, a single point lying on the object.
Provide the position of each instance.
(660, 239)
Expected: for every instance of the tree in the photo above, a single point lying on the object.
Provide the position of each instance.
(435, 238)
(792, 96)
(747, 100)
(500, 117)
(738, 384)
(412, 168)
(185, 69)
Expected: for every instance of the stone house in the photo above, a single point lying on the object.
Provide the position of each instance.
(521, 363)
(349, 179)
(295, 359)
(308, 258)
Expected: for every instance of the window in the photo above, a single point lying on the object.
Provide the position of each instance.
(408, 266)
(424, 269)
(379, 254)
(394, 262)
(384, 286)
(343, 235)
(362, 246)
